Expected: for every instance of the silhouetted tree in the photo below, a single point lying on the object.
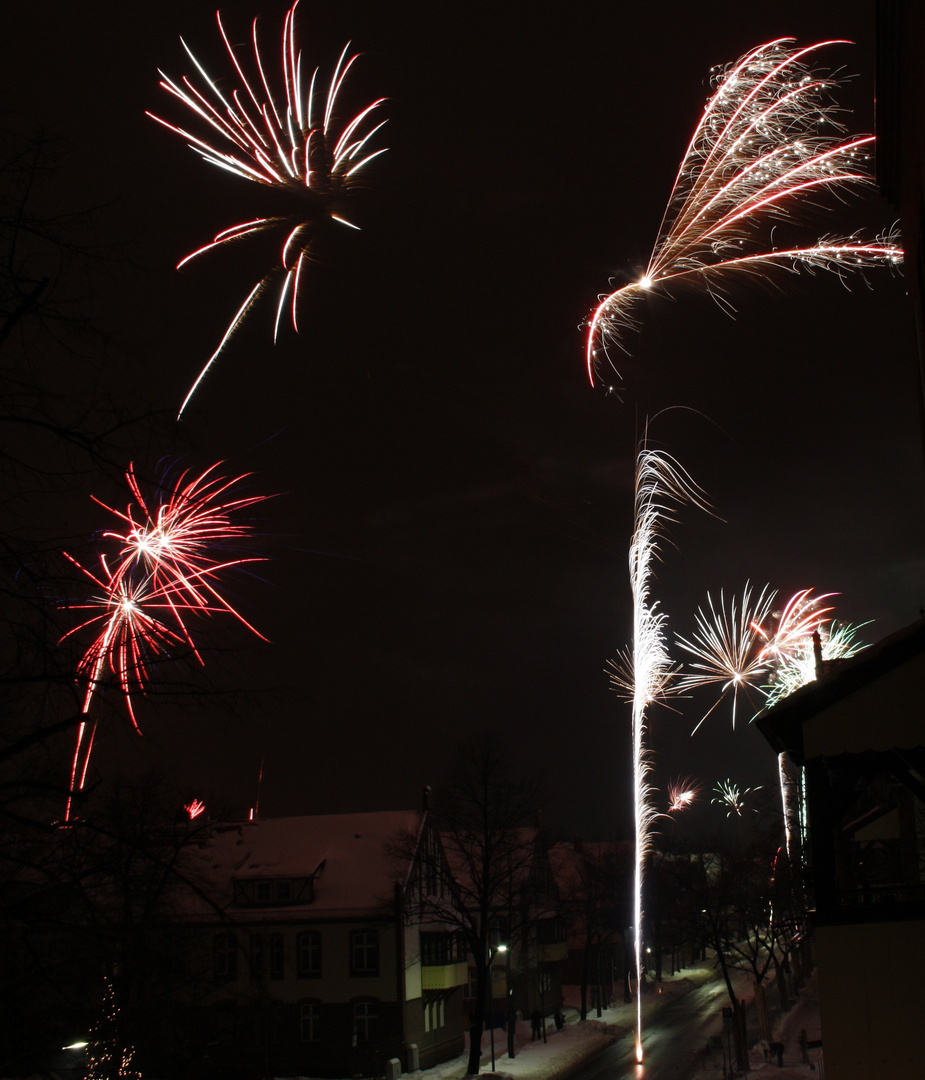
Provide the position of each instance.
(484, 881)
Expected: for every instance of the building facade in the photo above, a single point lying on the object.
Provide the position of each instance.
(315, 970)
(856, 739)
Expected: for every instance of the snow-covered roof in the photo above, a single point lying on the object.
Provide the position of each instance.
(349, 857)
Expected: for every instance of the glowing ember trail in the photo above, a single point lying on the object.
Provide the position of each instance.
(756, 156)
(646, 671)
(283, 133)
(164, 574)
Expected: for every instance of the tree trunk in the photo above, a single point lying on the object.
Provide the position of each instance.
(585, 966)
(761, 1007)
(477, 1020)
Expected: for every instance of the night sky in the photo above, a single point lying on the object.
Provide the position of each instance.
(447, 551)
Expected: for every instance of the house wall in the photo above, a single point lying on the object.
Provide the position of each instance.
(334, 984)
(255, 1023)
(886, 713)
(873, 1011)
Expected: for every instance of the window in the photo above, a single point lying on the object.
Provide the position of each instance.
(434, 1013)
(440, 949)
(276, 956)
(365, 1021)
(258, 957)
(308, 956)
(225, 957)
(364, 952)
(310, 1021)
(270, 892)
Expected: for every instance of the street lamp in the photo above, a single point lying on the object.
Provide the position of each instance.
(491, 994)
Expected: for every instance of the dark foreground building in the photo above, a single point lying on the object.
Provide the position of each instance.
(856, 739)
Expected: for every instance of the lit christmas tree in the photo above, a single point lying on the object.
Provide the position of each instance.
(107, 1057)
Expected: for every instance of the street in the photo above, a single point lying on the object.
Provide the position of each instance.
(674, 1033)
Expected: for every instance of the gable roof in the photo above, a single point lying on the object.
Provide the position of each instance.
(875, 701)
(348, 855)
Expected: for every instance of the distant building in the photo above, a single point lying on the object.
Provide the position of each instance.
(315, 969)
(526, 978)
(855, 738)
(595, 886)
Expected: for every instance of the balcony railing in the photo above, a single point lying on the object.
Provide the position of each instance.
(444, 976)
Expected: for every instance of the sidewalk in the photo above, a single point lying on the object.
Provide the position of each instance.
(804, 1016)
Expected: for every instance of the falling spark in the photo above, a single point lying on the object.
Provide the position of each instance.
(681, 794)
(661, 484)
(283, 133)
(164, 574)
(729, 795)
(756, 156)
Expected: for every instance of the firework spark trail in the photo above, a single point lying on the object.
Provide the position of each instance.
(801, 617)
(288, 138)
(165, 573)
(661, 484)
(755, 158)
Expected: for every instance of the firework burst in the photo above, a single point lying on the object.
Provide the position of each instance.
(746, 646)
(760, 152)
(725, 643)
(682, 793)
(284, 133)
(800, 665)
(732, 797)
(164, 574)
